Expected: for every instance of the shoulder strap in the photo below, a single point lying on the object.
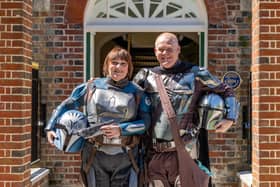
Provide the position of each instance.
(191, 174)
(166, 104)
(167, 107)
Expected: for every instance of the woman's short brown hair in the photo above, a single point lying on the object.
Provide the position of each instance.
(118, 53)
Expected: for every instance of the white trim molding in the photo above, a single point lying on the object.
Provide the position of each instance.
(146, 15)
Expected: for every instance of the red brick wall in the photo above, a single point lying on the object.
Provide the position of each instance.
(15, 92)
(58, 48)
(229, 49)
(266, 93)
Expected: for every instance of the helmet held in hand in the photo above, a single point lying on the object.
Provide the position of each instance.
(211, 109)
(67, 126)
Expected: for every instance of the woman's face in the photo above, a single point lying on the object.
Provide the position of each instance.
(118, 69)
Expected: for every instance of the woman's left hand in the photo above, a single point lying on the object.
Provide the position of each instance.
(111, 131)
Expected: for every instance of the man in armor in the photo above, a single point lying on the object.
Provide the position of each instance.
(109, 158)
(185, 85)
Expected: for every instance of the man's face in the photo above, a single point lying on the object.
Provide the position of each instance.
(118, 69)
(167, 51)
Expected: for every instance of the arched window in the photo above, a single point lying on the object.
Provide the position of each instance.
(144, 16)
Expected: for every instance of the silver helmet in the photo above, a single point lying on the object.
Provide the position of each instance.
(67, 126)
(211, 109)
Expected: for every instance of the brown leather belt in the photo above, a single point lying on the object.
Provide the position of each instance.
(164, 146)
(96, 144)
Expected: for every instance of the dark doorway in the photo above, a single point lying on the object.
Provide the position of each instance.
(141, 48)
(35, 131)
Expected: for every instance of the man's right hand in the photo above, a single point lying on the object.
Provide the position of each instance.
(224, 125)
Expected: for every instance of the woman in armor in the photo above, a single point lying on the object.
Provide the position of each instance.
(110, 158)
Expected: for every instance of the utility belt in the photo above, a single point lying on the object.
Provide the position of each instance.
(163, 146)
(127, 143)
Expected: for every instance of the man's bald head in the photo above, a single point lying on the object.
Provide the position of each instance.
(170, 38)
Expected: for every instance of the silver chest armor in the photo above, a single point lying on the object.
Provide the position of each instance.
(180, 93)
(180, 83)
(180, 88)
(111, 104)
(108, 104)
